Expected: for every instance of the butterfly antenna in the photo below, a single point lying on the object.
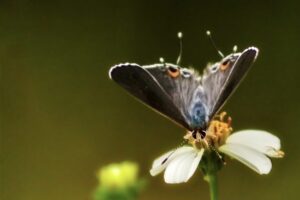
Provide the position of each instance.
(180, 145)
(208, 33)
(235, 48)
(162, 61)
(179, 35)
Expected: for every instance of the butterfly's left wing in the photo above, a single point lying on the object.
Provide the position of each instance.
(221, 79)
(139, 82)
(184, 87)
(171, 90)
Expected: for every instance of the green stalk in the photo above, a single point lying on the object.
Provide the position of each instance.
(210, 166)
(213, 185)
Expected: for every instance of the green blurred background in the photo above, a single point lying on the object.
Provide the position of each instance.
(62, 118)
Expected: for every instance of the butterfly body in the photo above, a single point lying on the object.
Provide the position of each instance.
(198, 116)
(181, 94)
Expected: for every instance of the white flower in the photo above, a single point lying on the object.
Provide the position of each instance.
(179, 165)
(250, 147)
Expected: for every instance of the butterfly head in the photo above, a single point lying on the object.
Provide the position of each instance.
(212, 137)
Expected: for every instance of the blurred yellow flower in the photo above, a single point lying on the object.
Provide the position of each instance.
(118, 175)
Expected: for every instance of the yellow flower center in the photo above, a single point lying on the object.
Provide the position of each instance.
(216, 134)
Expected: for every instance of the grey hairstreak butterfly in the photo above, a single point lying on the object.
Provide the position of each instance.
(181, 94)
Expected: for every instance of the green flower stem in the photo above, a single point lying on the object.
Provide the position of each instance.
(210, 165)
(213, 185)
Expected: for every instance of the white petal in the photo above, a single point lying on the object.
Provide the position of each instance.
(248, 156)
(160, 163)
(261, 141)
(183, 166)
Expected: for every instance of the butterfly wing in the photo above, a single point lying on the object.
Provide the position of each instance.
(181, 94)
(144, 86)
(184, 87)
(221, 79)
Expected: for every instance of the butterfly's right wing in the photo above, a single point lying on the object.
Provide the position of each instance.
(144, 86)
(221, 79)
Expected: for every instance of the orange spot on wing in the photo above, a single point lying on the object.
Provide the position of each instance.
(173, 72)
(224, 65)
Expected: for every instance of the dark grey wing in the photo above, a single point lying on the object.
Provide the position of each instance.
(221, 79)
(141, 84)
(184, 87)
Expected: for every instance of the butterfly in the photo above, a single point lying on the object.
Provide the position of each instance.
(181, 94)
